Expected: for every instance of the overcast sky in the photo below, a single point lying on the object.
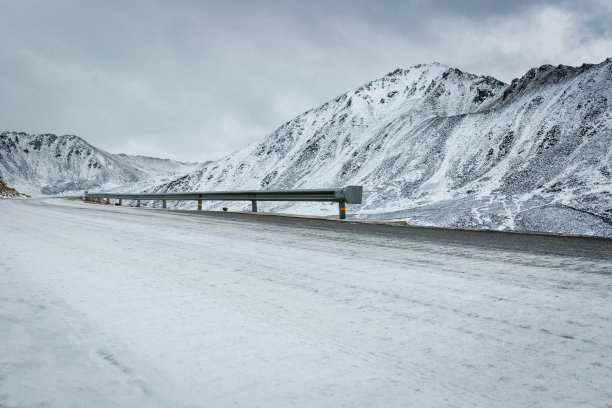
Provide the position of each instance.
(196, 80)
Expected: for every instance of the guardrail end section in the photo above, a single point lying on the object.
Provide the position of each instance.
(353, 194)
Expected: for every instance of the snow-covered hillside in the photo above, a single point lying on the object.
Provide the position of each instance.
(435, 145)
(48, 164)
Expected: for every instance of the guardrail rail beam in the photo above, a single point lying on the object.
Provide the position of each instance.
(343, 196)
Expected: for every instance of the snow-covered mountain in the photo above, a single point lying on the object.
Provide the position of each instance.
(48, 164)
(439, 146)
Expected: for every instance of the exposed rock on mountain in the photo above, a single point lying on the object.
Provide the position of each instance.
(8, 192)
(48, 164)
(435, 145)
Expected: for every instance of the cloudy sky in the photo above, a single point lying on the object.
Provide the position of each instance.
(195, 80)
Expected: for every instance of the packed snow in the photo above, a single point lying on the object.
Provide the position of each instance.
(116, 306)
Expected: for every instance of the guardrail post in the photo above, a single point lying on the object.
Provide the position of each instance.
(137, 203)
(163, 203)
(119, 201)
(254, 206)
(107, 201)
(199, 205)
(342, 208)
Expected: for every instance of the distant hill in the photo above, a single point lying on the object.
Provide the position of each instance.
(47, 164)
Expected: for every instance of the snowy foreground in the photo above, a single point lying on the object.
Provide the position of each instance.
(104, 306)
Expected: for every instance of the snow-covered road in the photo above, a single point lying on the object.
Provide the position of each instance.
(106, 306)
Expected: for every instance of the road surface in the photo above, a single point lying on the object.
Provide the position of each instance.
(116, 306)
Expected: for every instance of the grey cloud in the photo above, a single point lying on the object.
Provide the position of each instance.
(594, 20)
(195, 80)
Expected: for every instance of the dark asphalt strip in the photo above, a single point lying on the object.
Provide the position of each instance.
(527, 242)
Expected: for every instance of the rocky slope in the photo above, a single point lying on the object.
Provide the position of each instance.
(49, 165)
(438, 146)
(8, 192)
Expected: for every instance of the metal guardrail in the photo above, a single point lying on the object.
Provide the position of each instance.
(343, 196)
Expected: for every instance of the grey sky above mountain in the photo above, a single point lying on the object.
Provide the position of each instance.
(195, 80)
